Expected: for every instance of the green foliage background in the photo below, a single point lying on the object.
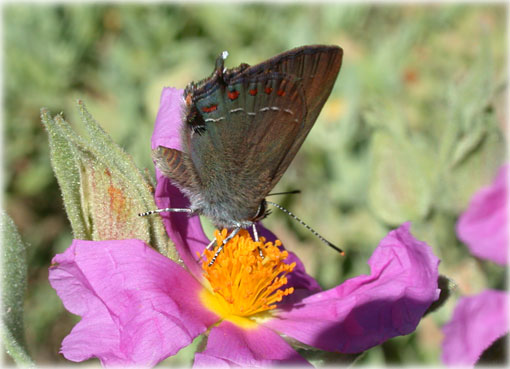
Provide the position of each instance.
(414, 126)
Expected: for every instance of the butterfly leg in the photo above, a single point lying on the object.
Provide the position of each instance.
(208, 247)
(171, 210)
(255, 233)
(228, 238)
(256, 238)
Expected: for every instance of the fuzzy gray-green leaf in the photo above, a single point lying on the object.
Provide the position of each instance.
(103, 187)
(399, 190)
(14, 275)
(457, 185)
(468, 144)
(115, 158)
(62, 155)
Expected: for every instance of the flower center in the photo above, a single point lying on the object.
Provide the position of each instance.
(244, 283)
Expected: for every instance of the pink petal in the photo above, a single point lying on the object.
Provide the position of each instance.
(367, 310)
(168, 121)
(229, 345)
(186, 232)
(477, 322)
(483, 227)
(137, 306)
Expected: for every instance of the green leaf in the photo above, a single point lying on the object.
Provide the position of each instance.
(456, 186)
(322, 358)
(467, 144)
(14, 275)
(471, 144)
(115, 157)
(62, 154)
(400, 188)
(103, 190)
(326, 359)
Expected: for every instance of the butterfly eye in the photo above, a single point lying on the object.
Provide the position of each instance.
(195, 121)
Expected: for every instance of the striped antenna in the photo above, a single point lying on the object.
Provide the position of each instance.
(285, 193)
(171, 210)
(307, 227)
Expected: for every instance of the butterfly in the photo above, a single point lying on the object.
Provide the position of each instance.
(241, 129)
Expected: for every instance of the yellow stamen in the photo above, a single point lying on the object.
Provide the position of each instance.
(242, 282)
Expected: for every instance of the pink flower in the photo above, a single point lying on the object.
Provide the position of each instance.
(480, 320)
(477, 322)
(139, 307)
(483, 227)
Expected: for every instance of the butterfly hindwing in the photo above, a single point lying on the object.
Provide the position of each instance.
(175, 164)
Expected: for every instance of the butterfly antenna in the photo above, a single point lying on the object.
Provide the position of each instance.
(307, 227)
(285, 193)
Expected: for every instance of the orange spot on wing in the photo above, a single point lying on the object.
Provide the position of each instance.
(253, 92)
(268, 90)
(208, 109)
(232, 95)
(280, 93)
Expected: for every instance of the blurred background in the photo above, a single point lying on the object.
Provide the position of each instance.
(414, 126)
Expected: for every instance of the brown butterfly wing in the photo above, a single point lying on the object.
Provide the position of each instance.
(245, 125)
(316, 67)
(176, 165)
(249, 126)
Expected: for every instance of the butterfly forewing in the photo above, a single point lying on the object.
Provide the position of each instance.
(316, 67)
(246, 137)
